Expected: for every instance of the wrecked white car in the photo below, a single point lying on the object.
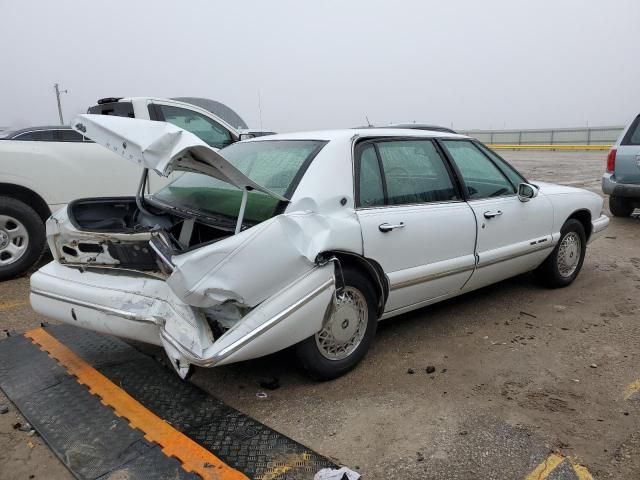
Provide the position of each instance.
(304, 240)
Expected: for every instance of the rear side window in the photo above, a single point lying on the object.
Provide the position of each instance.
(37, 136)
(117, 109)
(371, 189)
(403, 172)
(632, 137)
(69, 136)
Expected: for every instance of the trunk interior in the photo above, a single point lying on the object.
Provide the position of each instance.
(122, 218)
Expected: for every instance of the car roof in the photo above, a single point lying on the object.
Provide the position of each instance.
(348, 133)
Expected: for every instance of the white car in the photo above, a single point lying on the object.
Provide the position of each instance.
(304, 239)
(44, 168)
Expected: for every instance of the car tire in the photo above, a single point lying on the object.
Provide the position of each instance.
(563, 265)
(339, 347)
(22, 237)
(620, 206)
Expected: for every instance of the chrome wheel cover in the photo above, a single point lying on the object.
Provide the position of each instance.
(14, 240)
(344, 331)
(569, 254)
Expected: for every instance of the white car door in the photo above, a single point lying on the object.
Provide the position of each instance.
(514, 236)
(414, 220)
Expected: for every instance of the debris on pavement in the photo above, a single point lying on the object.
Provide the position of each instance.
(411, 371)
(419, 457)
(431, 369)
(3, 409)
(343, 473)
(593, 365)
(271, 383)
(527, 314)
(261, 395)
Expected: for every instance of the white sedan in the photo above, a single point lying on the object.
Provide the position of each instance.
(304, 239)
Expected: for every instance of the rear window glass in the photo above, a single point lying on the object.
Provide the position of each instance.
(632, 136)
(276, 165)
(117, 109)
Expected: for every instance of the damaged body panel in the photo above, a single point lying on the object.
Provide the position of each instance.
(303, 240)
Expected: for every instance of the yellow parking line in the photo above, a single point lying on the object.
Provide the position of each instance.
(504, 146)
(581, 472)
(288, 463)
(631, 389)
(553, 461)
(192, 456)
(542, 471)
(12, 304)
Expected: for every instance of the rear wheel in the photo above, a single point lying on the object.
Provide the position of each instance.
(563, 264)
(620, 206)
(346, 335)
(22, 237)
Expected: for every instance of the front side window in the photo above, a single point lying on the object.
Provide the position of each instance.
(508, 170)
(276, 165)
(209, 131)
(481, 177)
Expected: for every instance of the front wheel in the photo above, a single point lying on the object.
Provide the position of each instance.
(22, 237)
(346, 335)
(563, 264)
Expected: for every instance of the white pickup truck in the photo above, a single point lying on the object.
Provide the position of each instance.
(44, 168)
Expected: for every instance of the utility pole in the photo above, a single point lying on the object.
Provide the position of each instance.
(58, 92)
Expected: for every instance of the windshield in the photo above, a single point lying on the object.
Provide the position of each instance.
(277, 165)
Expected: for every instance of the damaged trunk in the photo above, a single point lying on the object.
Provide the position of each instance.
(115, 232)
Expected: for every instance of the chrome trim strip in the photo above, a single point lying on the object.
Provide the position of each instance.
(241, 342)
(540, 247)
(428, 278)
(100, 308)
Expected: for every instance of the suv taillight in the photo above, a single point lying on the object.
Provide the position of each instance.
(611, 161)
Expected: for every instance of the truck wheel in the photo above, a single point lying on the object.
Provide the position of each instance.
(22, 237)
(620, 206)
(347, 335)
(563, 264)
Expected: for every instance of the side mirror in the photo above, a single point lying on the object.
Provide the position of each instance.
(246, 136)
(526, 192)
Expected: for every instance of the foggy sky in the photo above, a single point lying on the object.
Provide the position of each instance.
(324, 64)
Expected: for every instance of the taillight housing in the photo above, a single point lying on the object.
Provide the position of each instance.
(611, 161)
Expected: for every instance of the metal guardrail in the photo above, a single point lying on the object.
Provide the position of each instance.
(585, 136)
(505, 146)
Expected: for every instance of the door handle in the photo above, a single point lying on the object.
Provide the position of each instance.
(490, 214)
(386, 227)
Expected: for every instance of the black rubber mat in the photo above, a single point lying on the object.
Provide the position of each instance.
(88, 437)
(72, 420)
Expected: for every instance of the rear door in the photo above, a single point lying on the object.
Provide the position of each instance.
(513, 236)
(414, 220)
(628, 155)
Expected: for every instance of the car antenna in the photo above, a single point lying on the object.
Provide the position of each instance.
(368, 122)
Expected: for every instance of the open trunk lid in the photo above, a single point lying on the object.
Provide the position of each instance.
(163, 148)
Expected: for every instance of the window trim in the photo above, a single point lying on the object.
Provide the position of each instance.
(482, 148)
(473, 142)
(362, 143)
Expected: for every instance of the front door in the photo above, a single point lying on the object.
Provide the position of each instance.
(414, 220)
(513, 236)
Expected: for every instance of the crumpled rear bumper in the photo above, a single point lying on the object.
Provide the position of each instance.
(144, 308)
